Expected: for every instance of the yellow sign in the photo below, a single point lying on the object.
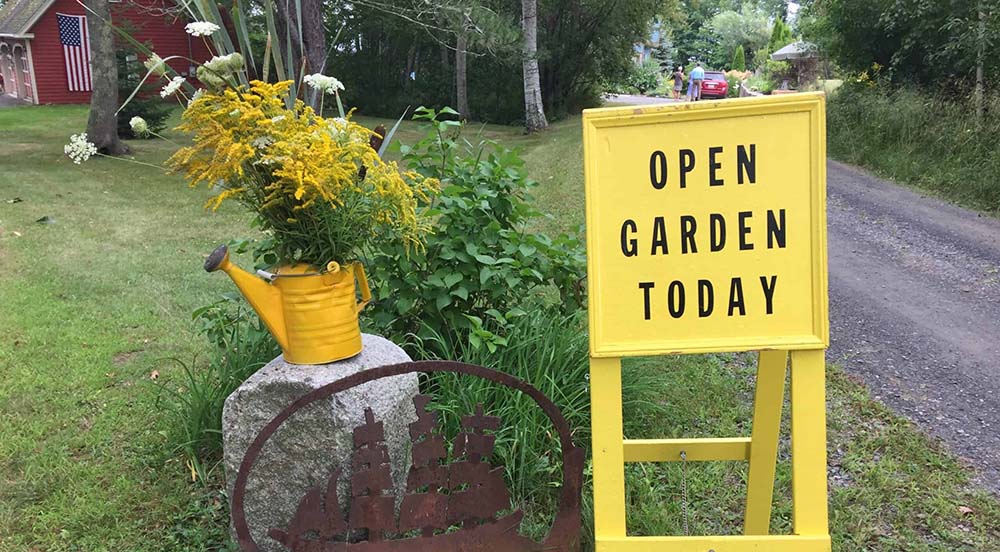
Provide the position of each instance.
(706, 231)
(706, 226)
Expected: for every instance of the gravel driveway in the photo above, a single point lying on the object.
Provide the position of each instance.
(915, 309)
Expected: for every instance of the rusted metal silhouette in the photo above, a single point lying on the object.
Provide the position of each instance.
(456, 506)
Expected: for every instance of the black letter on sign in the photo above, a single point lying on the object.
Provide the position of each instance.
(776, 229)
(749, 164)
(630, 247)
(713, 166)
(687, 165)
(688, 226)
(645, 287)
(658, 161)
(769, 291)
(659, 235)
(736, 297)
(706, 298)
(718, 227)
(676, 307)
(745, 230)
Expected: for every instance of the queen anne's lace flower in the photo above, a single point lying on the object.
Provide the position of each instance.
(201, 28)
(197, 94)
(139, 126)
(155, 64)
(172, 87)
(79, 149)
(328, 85)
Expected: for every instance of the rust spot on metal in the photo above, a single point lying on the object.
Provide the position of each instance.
(452, 506)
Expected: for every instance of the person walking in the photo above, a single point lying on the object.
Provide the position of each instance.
(694, 87)
(678, 82)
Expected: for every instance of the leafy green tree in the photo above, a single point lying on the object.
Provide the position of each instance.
(781, 36)
(739, 59)
(747, 27)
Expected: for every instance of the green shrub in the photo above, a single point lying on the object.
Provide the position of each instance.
(240, 345)
(913, 137)
(480, 262)
(739, 59)
(645, 77)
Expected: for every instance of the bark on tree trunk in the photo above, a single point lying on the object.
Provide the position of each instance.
(102, 125)
(461, 82)
(534, 111)
(313, 39)
(980, 59)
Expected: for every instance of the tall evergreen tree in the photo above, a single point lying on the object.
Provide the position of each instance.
(739, 59)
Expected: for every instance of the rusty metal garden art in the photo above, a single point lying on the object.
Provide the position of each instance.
(462, 506)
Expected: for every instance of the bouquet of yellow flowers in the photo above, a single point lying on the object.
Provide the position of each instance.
(317, 185)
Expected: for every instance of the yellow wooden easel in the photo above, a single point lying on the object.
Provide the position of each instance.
(773, 149)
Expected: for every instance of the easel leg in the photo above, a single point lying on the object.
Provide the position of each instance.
(768, 398)
(808, 407)
(607, 438)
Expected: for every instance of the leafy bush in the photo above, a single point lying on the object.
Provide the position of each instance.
(917, 138)
(480, 261)
(240, 345)
(645, 77)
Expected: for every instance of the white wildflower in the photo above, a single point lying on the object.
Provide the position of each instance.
(155, 64)
(197, 94)
(201, 28)
(172, 87)
(262, 142)
(79, 149)
(139, 126)
(328, 85)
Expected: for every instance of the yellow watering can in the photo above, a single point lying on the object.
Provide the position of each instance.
(313, 315)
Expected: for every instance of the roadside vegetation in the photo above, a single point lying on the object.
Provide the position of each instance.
(110, 390)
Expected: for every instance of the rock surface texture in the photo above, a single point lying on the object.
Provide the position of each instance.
(316, 440)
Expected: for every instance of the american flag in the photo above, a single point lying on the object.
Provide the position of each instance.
(76, 50)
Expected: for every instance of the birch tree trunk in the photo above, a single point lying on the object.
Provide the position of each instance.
(461, 80)
(102, 125)
(534, 111)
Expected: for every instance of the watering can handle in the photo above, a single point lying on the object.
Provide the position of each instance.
(366, 292)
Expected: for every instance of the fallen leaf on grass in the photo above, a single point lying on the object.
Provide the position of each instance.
(46, 220)
(154, 374)
(15, 200)
(16, 234)
(965, 510)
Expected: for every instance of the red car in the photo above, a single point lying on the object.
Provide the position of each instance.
(714, 85)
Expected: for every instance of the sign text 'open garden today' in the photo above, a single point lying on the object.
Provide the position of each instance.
(705, 227)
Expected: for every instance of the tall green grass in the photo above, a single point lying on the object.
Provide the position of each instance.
(919, 139)
(241, 346)
(549, 350)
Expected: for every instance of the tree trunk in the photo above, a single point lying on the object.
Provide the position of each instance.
(980, 59)
(461, 81)
(313, 39)
(534, 111)
(102, 125)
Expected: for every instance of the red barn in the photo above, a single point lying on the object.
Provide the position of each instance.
(45, 50)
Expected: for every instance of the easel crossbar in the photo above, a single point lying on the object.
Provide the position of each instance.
(771, 543)
(669, 450)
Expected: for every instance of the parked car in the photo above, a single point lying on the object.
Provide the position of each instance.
(714, 85)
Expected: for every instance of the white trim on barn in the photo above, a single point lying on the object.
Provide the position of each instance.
(31, 67)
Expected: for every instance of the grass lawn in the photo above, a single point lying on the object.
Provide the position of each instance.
(94, 303)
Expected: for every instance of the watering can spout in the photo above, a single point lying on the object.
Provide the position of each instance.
(262, 296)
